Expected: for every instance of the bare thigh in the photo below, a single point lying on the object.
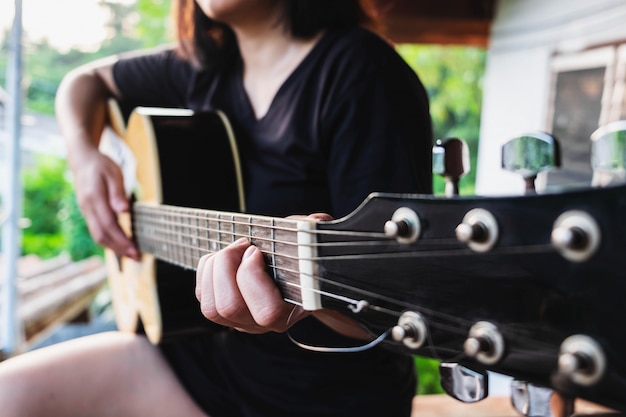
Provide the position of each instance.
(108, 374)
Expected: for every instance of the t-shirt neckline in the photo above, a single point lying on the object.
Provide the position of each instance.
(247, 105)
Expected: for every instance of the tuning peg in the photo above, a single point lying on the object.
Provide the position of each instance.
(576, 235)
(608, 154)
(484, 343)
(479, 230)
(581, 360)
(534, 401)
(530, 154)
(404, 226)
(463, 383)
(410, 330)
(451, 161)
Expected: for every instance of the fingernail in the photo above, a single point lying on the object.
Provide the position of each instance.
(249, 252)
(240, 241)
(120, 206)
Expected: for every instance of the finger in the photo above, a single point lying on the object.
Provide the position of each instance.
(101, 220)
(108, 231)
(314, 216)
(205, 290)
(118, 202)
(115, 188)
(229, 303)
(321, 217)
(199, 274)
(262, 297)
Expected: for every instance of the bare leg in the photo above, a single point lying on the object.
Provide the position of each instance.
(104, 375)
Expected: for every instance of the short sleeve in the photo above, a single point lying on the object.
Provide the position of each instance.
(157, 79)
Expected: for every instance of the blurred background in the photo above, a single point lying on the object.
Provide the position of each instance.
(54, 245)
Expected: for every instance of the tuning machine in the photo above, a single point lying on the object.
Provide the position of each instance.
(410, 330)
(576, 235)
(479, 230)
(484, 343)
(531, 154)
(534, 401)
(451, 161)
(404, 226)
(582, 360)
(608, 153)
(464, 384)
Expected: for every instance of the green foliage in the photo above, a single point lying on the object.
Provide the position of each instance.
(55, 224)
(428, 376)
(155, 26)
(78, 242)
(133, 26)
(44, 189)
(453, 77)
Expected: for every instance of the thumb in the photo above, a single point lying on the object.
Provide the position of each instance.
(117, 195)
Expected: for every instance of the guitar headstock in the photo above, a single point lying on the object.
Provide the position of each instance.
(524, 285)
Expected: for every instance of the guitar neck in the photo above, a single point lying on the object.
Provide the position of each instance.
(181, 236)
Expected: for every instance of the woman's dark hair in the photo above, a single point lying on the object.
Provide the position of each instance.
(211, 45)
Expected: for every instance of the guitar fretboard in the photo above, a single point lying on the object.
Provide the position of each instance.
(181, 236)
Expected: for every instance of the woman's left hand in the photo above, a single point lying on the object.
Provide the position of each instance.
(235, 290)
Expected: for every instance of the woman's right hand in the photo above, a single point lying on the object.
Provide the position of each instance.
(100, 194)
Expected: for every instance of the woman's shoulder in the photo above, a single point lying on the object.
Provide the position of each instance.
(361, 50)
(358, 42)
(357, 55)
(154, 59)
(153, 77)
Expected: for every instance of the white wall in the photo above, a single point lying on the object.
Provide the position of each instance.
(525, 36)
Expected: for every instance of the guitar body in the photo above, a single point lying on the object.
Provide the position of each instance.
(175, 152)
(530, 286)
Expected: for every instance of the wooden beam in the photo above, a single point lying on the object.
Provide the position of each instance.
(438, 31)
(462, 22)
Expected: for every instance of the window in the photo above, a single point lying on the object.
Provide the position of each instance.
(584, 88)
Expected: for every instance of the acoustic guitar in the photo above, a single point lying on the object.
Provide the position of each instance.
(529, 286)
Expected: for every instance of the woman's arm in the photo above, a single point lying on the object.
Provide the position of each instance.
(81, 110)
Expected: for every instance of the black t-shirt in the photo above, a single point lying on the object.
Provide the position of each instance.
(350, 120)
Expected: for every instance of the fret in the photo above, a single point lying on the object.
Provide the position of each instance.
(207, 233)
(171, 234)
(188, 257)
(226, 227)
(232, 229)
(182, 236)
(219, 232)
(175, 248)
(197, 240)
(273, 240)
(250, 235)
(165, 247)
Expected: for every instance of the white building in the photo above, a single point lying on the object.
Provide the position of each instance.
(557, 66)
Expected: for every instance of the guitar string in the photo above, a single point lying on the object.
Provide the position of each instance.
(433, 315)
(232, 223)
(168, 255)
(462, 249)
(189, 243)
(189, 213)
(191, 239)
(271, 253)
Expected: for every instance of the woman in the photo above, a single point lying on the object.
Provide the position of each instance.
(325, 112)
